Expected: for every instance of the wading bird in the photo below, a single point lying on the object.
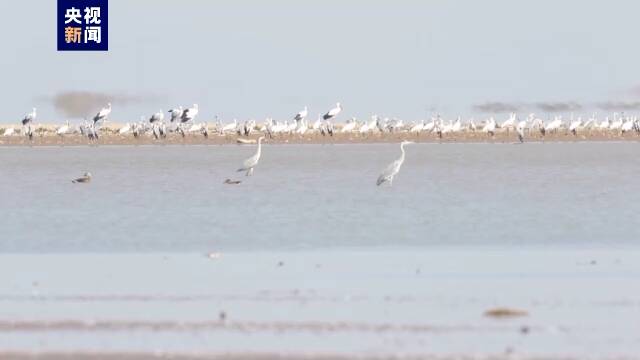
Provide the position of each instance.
(251, 162)
(29, 118)
(189, 114)
(175, 113)
(125, 129)
(333, 112)
(157, 117)
(301, 115)
(102, 114)
(393, 168)
(232, 126)
(574, 125)
(62, 130)
(83, 179)
(520, 130)
(490, 127)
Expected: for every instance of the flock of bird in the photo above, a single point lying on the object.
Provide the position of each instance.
(182, 121)
(250, 163)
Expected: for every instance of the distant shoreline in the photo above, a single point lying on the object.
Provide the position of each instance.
(340, 138)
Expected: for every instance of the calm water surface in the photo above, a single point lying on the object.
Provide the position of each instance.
(171, 198)
(410, 269)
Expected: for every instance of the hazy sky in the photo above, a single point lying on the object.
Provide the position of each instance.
(270, 58)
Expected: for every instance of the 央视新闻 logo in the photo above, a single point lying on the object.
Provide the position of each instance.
(82, 25)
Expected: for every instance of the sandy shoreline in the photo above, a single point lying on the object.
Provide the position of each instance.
(340, 138)
(262, 356)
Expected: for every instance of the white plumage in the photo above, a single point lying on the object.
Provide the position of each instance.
(510, 122)
(189, 114)
(302, 114)
(176, 113)
(349, 126)
(62, 130)
(157, 117)
(125, 129)
(251, 162)
(520, 129)
(574, 125)
(232, 126)
(30, 117)
(490, 126)
(102, 114)
(333, 112)
(393, 168)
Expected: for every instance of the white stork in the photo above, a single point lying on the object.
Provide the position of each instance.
(30, 117)
(175, 113)
(301, 115)
(157, 117)
(189, 114)
(333, 112)
(102, 114)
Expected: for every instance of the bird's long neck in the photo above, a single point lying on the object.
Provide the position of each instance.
(259, 146)
(402, 150)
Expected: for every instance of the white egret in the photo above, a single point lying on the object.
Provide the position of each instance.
(62, 130)
(291, 127)
(616, 124)
(318, 123)
(574, 125)
(471, 125)
(125, 129)
(604, 124)
(251, 162)
(490, 127)
(430, 125)
(302, 127)
(447, 128)
(554, 125)
(349, 126)
(457, 126)
(416, 128)
(232, 126)
(509, 123)
(393, 168)
(627, 125)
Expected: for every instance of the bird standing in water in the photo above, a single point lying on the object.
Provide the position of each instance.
(83, 179)
(251, 162)
(393, 168)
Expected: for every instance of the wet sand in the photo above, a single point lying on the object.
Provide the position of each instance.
(337, 304)
(110, 138)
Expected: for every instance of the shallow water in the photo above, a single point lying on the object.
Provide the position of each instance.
(315, 259)
(580, 304)
(171, 198)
